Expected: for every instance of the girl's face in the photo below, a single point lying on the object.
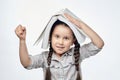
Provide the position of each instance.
(62, 39)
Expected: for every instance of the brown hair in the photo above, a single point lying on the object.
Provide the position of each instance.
(77, 57)
(48, 73)
(76, 54)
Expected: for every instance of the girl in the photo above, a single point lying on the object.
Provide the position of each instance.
(63, 60)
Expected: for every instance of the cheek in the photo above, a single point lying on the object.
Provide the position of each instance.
(53, 41)
(69, 43)
(72, 42)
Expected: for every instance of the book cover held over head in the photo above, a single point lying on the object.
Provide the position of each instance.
(44, 36)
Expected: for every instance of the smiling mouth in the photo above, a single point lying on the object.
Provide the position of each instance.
(59, 47)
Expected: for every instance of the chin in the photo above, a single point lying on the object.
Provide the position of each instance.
(59, 52)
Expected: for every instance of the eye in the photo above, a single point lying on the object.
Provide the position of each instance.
(57, 36)
(66, 38)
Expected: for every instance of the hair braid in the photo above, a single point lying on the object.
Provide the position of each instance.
(48, 73)
(77, 56)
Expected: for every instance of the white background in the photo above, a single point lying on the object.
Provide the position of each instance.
(102, 15)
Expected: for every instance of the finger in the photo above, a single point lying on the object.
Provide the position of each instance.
(24, 28)
(67, 15)
(19, 30)
(19, 27)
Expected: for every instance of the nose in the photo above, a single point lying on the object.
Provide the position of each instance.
(61, 41)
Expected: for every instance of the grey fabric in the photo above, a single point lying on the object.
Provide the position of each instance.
(63, 68)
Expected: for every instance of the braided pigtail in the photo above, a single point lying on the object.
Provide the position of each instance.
(77, 56)
(48, 73)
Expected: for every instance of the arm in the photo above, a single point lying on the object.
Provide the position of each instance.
(95, 38)
(23, 53)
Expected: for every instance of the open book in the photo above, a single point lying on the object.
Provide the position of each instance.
(44, 36)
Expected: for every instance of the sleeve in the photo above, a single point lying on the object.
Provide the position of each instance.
(37, 61)
(88, 50)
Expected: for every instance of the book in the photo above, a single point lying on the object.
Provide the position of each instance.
(44, 36)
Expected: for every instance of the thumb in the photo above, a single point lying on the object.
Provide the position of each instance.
(24, 29)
